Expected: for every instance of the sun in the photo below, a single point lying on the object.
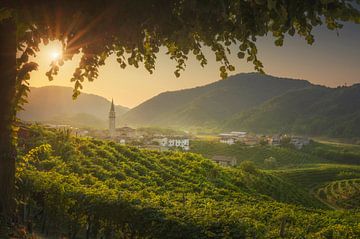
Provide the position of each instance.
(55, 55)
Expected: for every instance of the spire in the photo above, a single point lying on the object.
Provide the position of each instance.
(112, 110)
(112, 105)
(112, 120)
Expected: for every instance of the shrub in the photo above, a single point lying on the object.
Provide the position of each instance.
(248, 166)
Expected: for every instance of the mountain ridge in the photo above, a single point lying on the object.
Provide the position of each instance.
(54, 104)
(210, 103)
(317, 111)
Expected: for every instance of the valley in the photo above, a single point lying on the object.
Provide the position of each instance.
(182, 168)
(180, 119)
(70, 182)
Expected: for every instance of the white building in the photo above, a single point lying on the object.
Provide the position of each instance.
(183, 143)
(232, 137)
(239, 134)
(227, 140)
(299, 142)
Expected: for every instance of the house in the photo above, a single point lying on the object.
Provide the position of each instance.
(180, 142)
(250, 140)
(299, 142)
(228, 141)
(238, 134)
(125, 132)
(224, 160)
(227, 138)
(274, 140)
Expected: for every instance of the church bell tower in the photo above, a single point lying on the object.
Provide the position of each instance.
(112, 120)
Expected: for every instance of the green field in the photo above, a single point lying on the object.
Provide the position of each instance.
(81, 186)
(315, 169)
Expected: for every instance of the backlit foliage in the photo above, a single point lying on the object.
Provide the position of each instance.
(134, 31)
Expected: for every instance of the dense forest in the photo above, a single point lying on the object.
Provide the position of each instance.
(88, 188)
(257, 103)
(318, 111)
(213, 103)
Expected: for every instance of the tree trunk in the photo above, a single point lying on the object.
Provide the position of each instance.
(282, 228)
(7, 116)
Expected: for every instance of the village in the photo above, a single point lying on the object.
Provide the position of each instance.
(254, 139)
(160, 139)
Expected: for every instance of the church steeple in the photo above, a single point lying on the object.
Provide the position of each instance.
(112, 106)
(112, 120)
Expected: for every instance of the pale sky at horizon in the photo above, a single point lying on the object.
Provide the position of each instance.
(331, 61)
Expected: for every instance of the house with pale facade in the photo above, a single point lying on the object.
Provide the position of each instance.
(238, 136)
(179, 142)
(224, 160)
(274, 140)
(227, 138)
(299, 142)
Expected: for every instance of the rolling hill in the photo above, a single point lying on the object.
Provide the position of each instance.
(72, 184)
(332, 112)
(257, 103)
(54, 104)
(210, 104)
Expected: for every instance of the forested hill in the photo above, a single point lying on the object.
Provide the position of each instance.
(54, 104)
(315, 111)
(210, 104)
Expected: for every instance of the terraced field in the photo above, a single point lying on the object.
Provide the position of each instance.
(327, 173)
(319, 174)
(341, 194)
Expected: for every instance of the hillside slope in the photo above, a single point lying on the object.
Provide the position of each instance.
(333, 112)
(74, 184)
(210, 104)
(54, 104)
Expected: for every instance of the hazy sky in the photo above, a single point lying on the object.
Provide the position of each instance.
(332, 60)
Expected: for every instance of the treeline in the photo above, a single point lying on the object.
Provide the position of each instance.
(264, 156)
(87, 188)
(338, 153)
(316, 111)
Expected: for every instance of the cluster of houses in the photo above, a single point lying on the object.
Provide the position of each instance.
(143, 138)
(156, 140)
(252, 139)
(150, 140)
(72, 130)
(238, 136)
(130, 136)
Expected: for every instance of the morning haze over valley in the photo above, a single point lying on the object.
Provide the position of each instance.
(180, 119)
(246, 101)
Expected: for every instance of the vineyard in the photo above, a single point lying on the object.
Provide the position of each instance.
(341, 194)
(318, 174)
(88, 188)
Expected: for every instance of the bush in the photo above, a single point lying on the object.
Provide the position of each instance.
(248, 166)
